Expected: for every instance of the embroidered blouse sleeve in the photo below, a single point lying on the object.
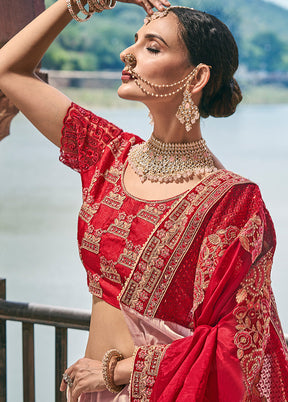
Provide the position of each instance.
(84, 137)
(231, 349)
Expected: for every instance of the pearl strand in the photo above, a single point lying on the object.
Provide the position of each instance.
(151, 84)
(184, 81)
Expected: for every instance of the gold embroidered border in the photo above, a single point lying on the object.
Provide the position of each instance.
(128, 289)
(187, 239)
(146, 367)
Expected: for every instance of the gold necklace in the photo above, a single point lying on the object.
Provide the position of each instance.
(157, 161)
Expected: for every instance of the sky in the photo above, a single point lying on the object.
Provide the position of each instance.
(283, 3)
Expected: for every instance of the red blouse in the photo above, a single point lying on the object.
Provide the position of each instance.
(113, 225)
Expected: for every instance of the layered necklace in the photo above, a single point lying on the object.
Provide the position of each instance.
(157, 161)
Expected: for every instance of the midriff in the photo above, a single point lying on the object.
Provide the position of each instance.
(108, 330)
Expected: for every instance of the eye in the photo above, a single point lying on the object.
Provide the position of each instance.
(153, 50)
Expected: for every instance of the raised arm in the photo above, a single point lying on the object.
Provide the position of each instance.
(42, 104)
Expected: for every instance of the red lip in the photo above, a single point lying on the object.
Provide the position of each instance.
(126, 76)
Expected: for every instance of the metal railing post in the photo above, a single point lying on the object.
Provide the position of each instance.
(3, 350)
(28, 362)
(60, 361)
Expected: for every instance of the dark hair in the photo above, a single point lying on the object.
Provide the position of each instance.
(209, 41)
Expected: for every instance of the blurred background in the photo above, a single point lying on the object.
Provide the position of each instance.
(40, 197)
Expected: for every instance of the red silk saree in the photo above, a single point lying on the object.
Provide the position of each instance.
(200, 304)
(198, 301)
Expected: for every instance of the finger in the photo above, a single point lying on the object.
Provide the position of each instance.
(146, 5)
(70, 372)
(63, 386)
(76, 392)
(158, 4)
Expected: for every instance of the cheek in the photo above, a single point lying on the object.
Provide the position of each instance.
(164, 71)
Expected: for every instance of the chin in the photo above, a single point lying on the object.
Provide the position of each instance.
(128, 93)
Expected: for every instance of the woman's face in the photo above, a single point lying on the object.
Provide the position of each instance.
(161, 56)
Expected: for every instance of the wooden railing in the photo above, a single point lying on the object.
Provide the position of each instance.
(29, 314)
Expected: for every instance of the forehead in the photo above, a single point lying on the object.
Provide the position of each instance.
(167, 27)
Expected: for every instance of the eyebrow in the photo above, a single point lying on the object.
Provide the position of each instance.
(151, 36)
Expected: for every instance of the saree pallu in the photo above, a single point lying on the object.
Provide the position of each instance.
(199, 302)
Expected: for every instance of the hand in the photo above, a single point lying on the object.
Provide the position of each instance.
(149, 4)
(86, 375)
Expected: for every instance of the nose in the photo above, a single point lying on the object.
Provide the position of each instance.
(128, 58)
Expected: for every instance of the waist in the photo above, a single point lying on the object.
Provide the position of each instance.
(108, 330)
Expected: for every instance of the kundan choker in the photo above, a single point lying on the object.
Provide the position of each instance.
(157, 161)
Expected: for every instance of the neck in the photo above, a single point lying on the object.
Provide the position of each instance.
(167, 128)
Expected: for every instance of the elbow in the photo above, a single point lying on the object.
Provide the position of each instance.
(4, 71)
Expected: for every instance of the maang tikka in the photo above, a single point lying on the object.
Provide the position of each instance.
(188, 112)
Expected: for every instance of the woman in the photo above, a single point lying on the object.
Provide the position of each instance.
(177, 249)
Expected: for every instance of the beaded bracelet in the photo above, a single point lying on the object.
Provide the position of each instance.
(110, 359)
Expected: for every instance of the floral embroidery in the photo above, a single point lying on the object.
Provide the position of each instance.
(118, 145)
(109, 271)
(251, 236)
(121, 226)
(83, 127)
(253, 317)
(90, 243)
(113, 174)
(114, 200)
(213, 247)
(94, 285)
(150, 214)
(88, 211)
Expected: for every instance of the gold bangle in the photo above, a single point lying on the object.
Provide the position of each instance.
(110, 359)
(75, 16)
(95, 6)
(83, 9)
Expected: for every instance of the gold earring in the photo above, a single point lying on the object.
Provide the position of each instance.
(188, 112)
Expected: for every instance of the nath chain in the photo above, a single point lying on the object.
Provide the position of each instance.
(183, 82)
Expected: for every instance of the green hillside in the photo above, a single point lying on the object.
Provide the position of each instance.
(260, 28)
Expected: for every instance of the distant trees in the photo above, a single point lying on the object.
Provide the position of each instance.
(96, 45)
(266, 52)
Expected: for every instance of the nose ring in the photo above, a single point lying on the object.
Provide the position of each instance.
(130, 60)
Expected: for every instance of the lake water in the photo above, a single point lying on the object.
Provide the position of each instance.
(39, 203)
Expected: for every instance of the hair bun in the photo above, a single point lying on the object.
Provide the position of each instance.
(225, 101)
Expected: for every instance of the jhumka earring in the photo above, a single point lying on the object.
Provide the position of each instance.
(188, 112)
